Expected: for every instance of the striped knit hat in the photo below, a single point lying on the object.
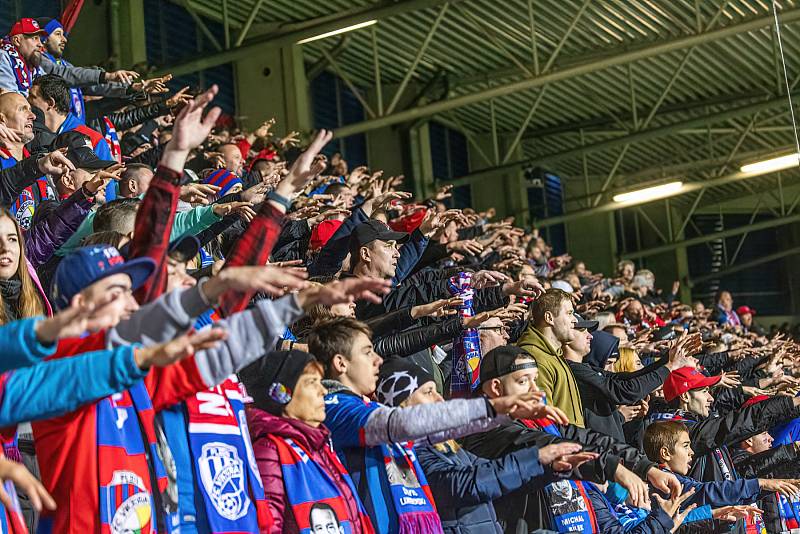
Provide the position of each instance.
(224, 179)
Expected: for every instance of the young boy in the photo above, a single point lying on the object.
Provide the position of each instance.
(668, 443)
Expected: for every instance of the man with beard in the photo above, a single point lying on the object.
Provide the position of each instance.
(21, 60)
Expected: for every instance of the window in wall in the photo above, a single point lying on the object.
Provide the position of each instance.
(450, 159)
(761, 287)
(334, 105)
(171, 35)
(546, 199)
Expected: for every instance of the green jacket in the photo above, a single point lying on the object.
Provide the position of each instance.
(555, 376)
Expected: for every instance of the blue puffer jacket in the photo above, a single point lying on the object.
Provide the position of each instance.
(464, 485)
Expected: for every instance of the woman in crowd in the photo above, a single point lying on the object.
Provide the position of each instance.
(21, 294)
(285, 422)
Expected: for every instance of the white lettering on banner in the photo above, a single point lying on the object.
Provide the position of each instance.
(412, 501)
(409, 492)
(213, 404)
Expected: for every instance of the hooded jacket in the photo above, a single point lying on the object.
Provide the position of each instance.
(465, 485)
(555, 376)
(602, 391)
(314, 440)
(530, 508)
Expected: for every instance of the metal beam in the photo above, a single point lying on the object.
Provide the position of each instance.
(744, 266)
(290, 33)
(699, 240)
(687, 188)
(618, 58)
(643, 135)
(248, 22)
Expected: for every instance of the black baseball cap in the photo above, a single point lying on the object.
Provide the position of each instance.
(80, 151)
(501, 361)
(583, 324)
(373, 230)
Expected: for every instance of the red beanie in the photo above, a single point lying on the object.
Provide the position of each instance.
(323, 232)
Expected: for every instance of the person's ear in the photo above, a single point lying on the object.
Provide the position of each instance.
(747, 443)
(339, 364)
(133, 186)
(685, 397)
(665, 454)
(363, 254)
(495, 388)
(68, 180)
(549, 318)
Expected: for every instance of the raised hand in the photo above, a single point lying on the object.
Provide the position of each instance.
(734, 513)
(467, 246)
(437, 308)
(9, 136)
(122, 76)
(672, 507)
(242, 209)
(191, 129)
(73, 321)
(305, 168)
(344, 292)
(178, 99)
(179, 348)
(55, 163)
(198, 193)
(269, 279)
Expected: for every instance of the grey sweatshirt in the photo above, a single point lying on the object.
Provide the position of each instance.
(74, 76)
(251, 333)
(426, 424)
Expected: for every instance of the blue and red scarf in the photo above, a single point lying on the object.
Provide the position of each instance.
(467, 347)
(570, 506)
(126, 438)
(226, 472)
(112, 137)
(22, 73)
(309, 487)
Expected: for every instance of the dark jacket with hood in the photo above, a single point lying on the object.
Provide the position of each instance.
(529, 509)
(601, 391)
(465, 485)
(779, 462)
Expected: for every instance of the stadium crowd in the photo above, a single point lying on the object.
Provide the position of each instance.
(208, 329)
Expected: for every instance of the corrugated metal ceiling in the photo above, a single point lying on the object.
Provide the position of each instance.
(481, 43)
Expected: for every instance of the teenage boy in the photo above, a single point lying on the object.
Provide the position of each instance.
(511, 371)
(370, 438)
(686, 390)
(668, 443)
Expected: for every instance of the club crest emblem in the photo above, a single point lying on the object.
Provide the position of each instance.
(223, 477)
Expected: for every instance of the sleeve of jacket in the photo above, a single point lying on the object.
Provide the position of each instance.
(74, 76)
(489, 299)
(767, 464)
(713, 362)
(388, 323)
(14, 179)
(252, 248)
(152, 229)
(19, 345)
(720, 493)
(481, 481)
(124, 120)
(741, 424)
(621, 389)
(410, 253)
(293, 242)
(269, 466)
(656, 522)
(251, 334)
(593, 441)
(52, 231)
(389, 425)
(413, 340)
(56, 387)
(334, 252)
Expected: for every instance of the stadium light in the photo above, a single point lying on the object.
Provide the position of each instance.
(772, 165)
(337, 32)
(649, 193)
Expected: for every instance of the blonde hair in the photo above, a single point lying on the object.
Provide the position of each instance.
(626, 363)
(29, 304)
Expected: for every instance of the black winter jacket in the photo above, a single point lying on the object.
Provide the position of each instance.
(529, 509)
